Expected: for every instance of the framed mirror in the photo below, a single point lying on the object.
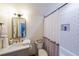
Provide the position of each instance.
(22, 28)
(18, 27)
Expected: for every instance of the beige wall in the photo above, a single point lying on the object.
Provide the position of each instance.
(34, 22)
(35, 28)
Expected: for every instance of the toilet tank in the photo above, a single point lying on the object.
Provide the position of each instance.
(40, 45)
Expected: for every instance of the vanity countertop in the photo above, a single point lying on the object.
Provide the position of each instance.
(13, 48)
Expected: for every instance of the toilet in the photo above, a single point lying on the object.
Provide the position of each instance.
(41, 51)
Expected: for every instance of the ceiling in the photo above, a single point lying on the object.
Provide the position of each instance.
(35, 8)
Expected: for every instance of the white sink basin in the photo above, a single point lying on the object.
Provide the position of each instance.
(24, 43)
(15, 47)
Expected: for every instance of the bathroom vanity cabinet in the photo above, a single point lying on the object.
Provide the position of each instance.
(23, 52)
(15, 50)
(19, 50)
(1, 42)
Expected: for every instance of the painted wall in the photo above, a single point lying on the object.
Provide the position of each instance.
(68, 40)
(34, 22)
(35, 27)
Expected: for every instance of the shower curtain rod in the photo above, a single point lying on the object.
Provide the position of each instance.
(56, 10)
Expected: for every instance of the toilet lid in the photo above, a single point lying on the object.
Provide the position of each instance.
(42, 52)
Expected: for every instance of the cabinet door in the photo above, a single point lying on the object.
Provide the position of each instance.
(0, 43)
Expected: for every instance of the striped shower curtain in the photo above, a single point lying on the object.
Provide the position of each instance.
(51, 47)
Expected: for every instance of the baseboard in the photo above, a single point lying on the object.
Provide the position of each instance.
(65, 52)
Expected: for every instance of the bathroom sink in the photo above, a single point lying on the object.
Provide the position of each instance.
(24, 43)
(16, 47)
